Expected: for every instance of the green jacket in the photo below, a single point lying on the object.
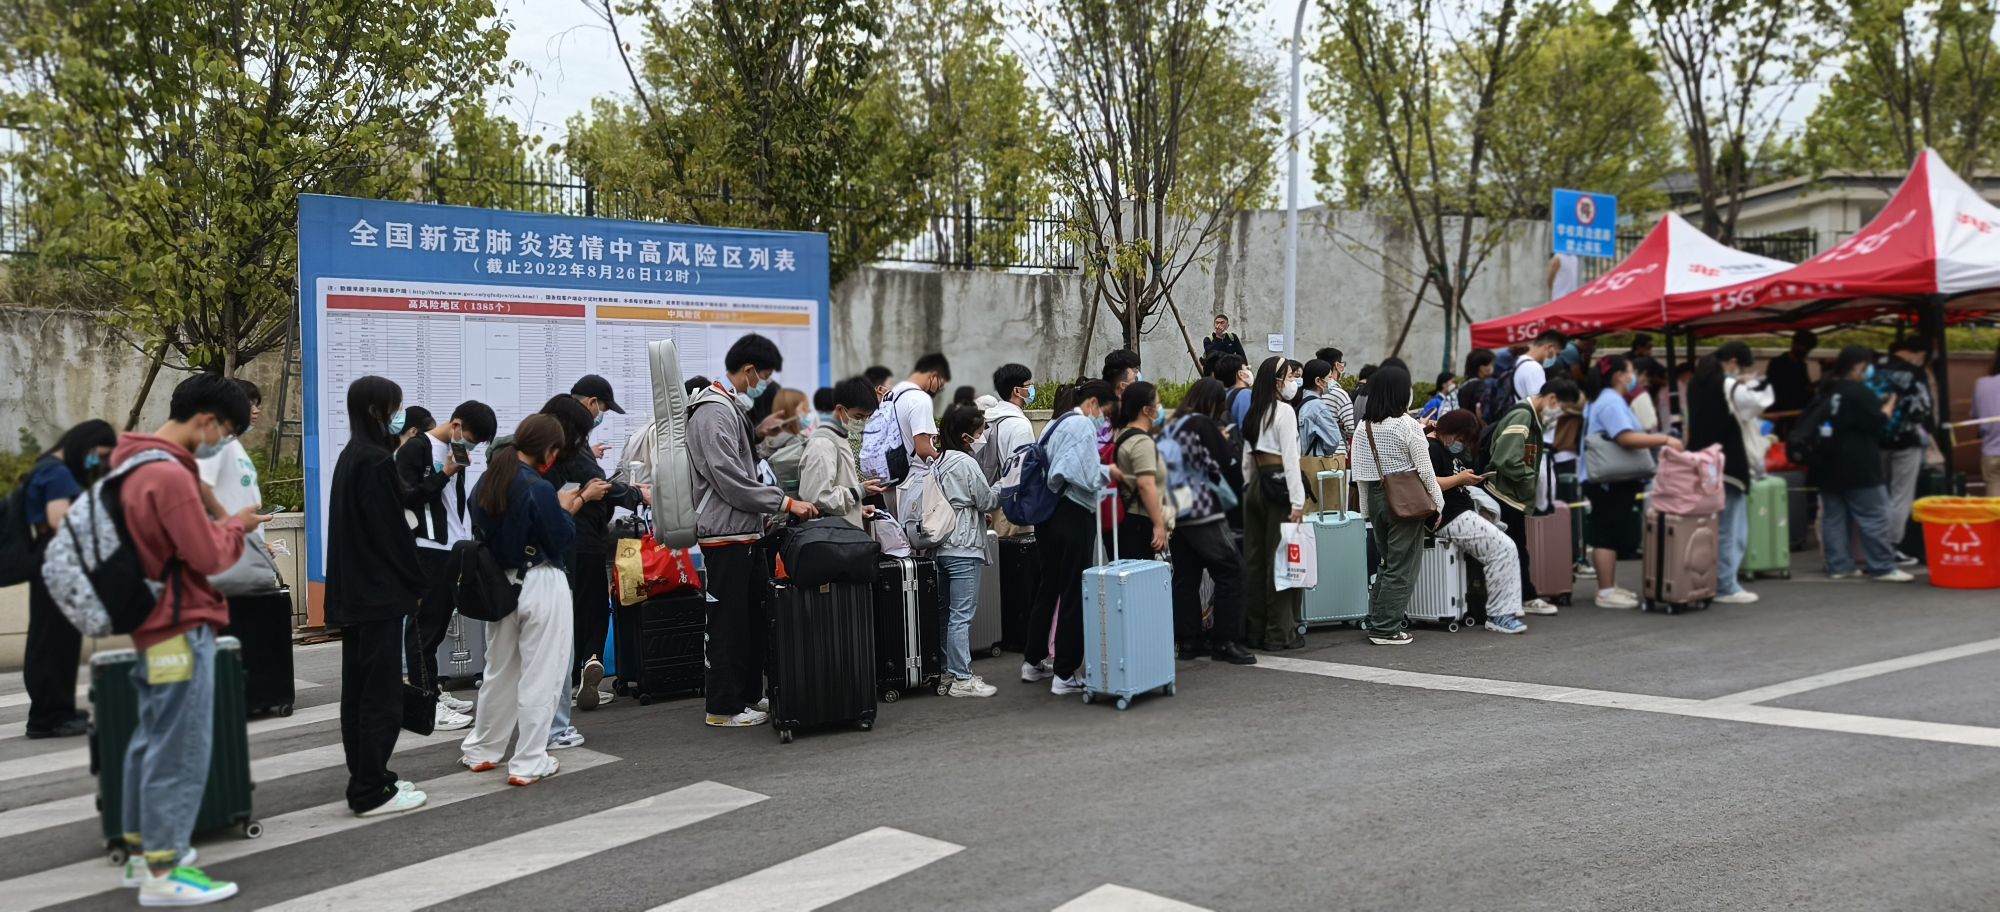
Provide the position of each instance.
(1515, 454)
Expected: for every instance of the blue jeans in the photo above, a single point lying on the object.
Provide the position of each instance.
(563, 707)
(1867, 508)
(1735, 540)
(960, 577)
(166, 765)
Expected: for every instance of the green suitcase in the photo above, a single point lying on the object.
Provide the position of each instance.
(1770, 520)
(114, 716)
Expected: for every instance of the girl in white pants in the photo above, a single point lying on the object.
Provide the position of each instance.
(1472, 534)
(528, 527)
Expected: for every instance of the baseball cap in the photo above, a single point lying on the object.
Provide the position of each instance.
(597, 388)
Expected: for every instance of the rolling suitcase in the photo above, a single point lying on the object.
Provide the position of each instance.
(1681, 553)
(822, 657)
(263, 625)
(225, 802)
(1128, 627)
(986, 630)
(1341, 539)
(662, 646)
(1769, 547)
(461, 658)
(1550, 559)
(909, 627)
(1439, 595)
(1020, 567)
(1799, 509)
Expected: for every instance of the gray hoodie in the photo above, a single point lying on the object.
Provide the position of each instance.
(964, 484)
(731, 502)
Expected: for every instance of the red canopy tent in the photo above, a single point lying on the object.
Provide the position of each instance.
(1675, 261)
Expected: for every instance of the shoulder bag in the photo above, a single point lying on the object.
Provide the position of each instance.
(1408, 498)
(1606, 461)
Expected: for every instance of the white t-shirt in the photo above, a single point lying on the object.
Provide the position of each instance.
(457, 516)
(915, 414)
(1569, 275)
(234, 478)
(1529, 378)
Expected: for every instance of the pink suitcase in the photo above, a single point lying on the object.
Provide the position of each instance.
(1680, 562)
(1550, 565)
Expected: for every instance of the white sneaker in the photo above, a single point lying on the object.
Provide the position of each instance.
(1616, 598)
(1063, 687)
(744, 719)
(971, 687)
(1739, 597)
(1893, 576)
(1032, 672)
(455, 704)
(1584, 571)
(546, 772)
(566, 739)
(136, 870)
(587, 694)
(763, 705)
(405, 800)
(1538, 606)
(451, 720)
(184, 886)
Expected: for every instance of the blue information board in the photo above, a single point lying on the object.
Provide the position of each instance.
(510, 308)
(1584, 224)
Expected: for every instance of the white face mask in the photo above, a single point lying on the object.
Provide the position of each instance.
(1551, 414)
(1289, 389)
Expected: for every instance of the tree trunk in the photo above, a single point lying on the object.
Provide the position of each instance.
(1089, 329)
(146, 387)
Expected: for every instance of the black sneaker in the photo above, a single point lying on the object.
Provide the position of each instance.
(75, 726)
(1399, 638)
(1234, 654)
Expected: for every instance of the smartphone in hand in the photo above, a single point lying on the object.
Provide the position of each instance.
(461, 454)
(270, 509)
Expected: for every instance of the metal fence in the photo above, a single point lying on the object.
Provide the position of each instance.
(14, 239)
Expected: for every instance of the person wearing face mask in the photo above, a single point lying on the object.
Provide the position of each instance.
(1390, 441)
(963, 554)
(1515, 457)
(1068, 538)
(1451, 442)
(1235, 373)
(1847, 469)
(1147, 522)
(373, 581)
(1274, 493)
(828, 476)
(907, 419)
(415, 422)
(48, 667)
(1343, 404)
(1725, 405)
(1007, 431)
(1444, 399)
(587, 566)
(596, 395)
(789, 410)
(733, 507)
(1614, 524)
(433, 468)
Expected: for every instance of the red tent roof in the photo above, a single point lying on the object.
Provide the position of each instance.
(1674, 261)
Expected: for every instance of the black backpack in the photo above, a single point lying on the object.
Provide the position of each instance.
(480, 588)
(1802, 444)
(828, 550)
(19, 561)
(1498, 397)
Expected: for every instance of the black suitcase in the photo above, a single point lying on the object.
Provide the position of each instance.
(822, 657)
(263, 625)
(660, 647)
(909, 627)
(1020, 567)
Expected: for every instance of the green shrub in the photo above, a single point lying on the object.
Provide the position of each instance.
(283, 484)
(14, 467)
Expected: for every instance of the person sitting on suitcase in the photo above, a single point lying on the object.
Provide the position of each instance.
(1513, 452)
(167, 760)
(1466, 530)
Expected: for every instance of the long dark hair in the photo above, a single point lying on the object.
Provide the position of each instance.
(1388, 394)
(576, 422)
(76, 445)
(1263, 397)
(961, 421)
(1598, 378)
(371, 402)
(1206, 397)
(537, 435)
(1134, 401)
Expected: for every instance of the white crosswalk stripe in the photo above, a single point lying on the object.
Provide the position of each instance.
(89, 878)
(1114, 898)
(20, 697)
(77, 759)
(820, 877)
(418, 885)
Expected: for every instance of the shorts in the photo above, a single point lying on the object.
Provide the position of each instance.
(1614, 522)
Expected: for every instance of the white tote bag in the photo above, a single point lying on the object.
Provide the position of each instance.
(1297, 563)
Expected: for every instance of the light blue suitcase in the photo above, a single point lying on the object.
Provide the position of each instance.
(1342, 544)
(1128, 627)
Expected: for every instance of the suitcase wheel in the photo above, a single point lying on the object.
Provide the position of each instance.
(1124, 703)
(1563, 599)
(995, 651)
(891, 696)
(253, 829)
(646, 699)
(119, 855)
(1169, 689)
(285, 711)
(1088, 696)
(784, 736)
(1451, 626)
(867, 725)
(943, 689)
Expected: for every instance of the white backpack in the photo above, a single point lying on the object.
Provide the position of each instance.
(933, 520)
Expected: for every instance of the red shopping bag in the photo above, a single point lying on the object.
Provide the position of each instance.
(642, 570)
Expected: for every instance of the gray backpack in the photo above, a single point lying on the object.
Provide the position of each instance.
(92, 568)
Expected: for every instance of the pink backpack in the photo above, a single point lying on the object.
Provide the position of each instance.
(1689, 483)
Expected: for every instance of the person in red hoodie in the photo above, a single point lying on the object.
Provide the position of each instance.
(166, 766)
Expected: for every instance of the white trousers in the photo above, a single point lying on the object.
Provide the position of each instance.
(527, 657)
(1483, 541)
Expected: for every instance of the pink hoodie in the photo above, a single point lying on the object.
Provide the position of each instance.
(166, 519)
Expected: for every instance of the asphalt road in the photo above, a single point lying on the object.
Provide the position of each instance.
(1355, 777)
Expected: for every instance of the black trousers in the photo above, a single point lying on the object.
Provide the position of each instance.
(434, 607)
(371, 708)
(738, 579)
(590, 602)
(1517, 530)
(1066, 541)
(1208, 546)
(49, 666)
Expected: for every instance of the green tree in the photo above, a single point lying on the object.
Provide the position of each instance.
(1915, 76)
(1166, 125)
(169, 140)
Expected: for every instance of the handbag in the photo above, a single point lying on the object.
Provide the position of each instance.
(420, 691)
(255, 573)
(1608, 462)
(1272, 482)
(642, 570)
(1408, 498)
(1310, 467)
(829, 550)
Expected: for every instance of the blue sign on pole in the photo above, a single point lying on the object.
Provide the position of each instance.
(1584, 224)
(511, 308)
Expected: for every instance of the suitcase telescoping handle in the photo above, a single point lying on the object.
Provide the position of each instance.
(1109, 492)
(1342, 488)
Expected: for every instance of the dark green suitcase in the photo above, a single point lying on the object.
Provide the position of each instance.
(114, 716)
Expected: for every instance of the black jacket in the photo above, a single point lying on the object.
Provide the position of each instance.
(1712, 421)
(371, 561)
(1852, 459)
(428, 490)
(534, 531)
(593, 522)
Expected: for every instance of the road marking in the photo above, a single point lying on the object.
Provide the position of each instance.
(1940, 732)
(77, 759)
(1114, 898)
(62, 811)
(20, 698)
(1784, 689)
(820, 877)
(418, 885)
(90, 878)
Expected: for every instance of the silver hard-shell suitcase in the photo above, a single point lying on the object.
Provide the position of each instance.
(1439, 594)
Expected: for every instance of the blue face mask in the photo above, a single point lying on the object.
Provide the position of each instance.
(599, 419)
(1455, 447)
(1632, 383)
(757, 389)
(1868, 374)
(91, 462)
(396, 424)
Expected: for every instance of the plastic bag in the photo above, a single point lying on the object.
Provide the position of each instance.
(1297, 562)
